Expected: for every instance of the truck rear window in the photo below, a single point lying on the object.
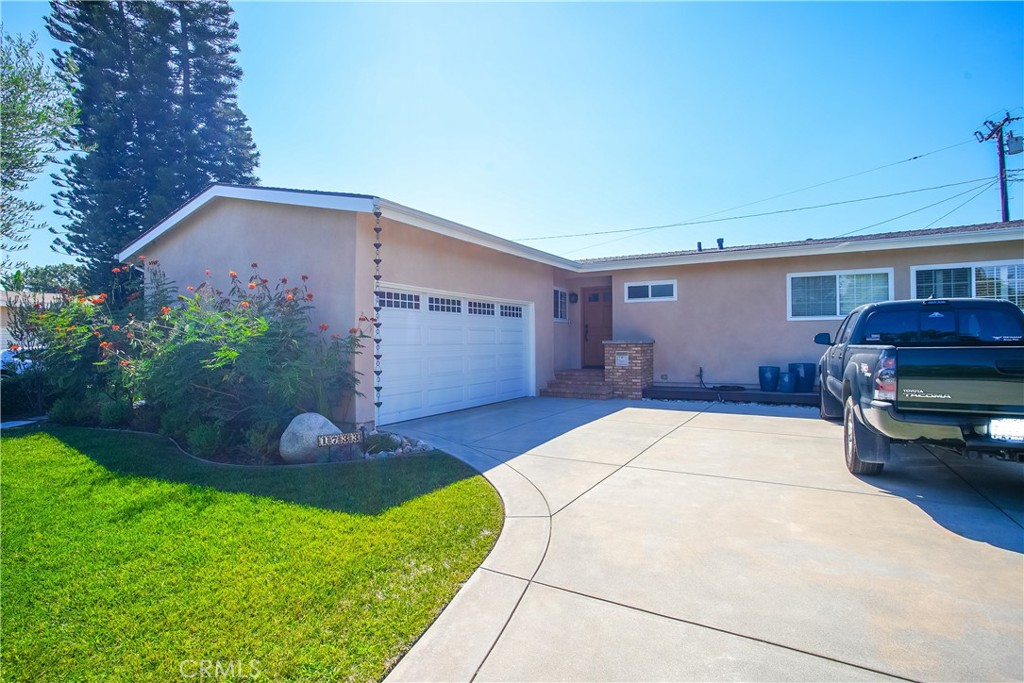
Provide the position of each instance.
(943, 325)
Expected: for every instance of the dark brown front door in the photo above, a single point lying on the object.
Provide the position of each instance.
(597, 325)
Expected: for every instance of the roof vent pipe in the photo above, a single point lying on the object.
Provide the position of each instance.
(721, 243)
(699, 248)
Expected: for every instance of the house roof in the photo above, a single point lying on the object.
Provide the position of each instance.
(344, 201)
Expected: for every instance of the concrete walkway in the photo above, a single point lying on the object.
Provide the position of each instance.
(712, 542)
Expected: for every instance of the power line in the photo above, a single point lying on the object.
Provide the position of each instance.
(766, 199)
(959, 206)
(923, 208)
(758, 215)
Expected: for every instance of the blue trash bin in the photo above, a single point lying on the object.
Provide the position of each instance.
(768, 376)
(804, 373)
(787, 382)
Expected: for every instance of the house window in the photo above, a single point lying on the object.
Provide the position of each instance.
(989, 280)
(443, 305)
(509, 311)
(659, 290)
(480, 308)
(833, 295)
(398, 300)
(561, 305)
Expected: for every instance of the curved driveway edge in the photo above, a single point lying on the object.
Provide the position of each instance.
(698, 541)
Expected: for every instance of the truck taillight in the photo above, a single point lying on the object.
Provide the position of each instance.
(884, 377)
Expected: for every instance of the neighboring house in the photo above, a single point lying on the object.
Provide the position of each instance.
(7, 299)
(469, 318)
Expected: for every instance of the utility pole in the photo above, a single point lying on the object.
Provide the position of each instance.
(995, 132)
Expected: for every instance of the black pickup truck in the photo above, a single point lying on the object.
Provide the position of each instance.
(947, 372)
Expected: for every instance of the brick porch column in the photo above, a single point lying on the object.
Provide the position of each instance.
(629, 367)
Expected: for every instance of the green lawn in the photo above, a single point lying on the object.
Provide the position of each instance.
(124, 560)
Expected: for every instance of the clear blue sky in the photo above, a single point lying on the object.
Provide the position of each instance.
(529, 120)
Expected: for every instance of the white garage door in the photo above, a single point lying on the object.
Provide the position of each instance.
(443, 352)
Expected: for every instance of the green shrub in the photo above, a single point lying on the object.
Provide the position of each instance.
(380, 443)
(205, 439)
(27, 394)
(177, 422)
(262, 441)
(145, 418)
(69, 410)
(115, 414)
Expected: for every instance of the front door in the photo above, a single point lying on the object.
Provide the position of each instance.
(597, 325)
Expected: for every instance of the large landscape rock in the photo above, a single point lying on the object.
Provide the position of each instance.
(298, 443)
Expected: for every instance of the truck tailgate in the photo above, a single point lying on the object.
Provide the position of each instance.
(971, 379)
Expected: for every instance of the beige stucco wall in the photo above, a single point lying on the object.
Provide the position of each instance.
(418, 258)
(731, 317)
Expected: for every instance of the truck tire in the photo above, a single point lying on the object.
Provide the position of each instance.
(858, 440)
(828, 405)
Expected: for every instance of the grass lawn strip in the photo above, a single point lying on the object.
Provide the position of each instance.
(122, 558)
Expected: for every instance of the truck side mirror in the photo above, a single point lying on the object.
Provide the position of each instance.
(823, 338)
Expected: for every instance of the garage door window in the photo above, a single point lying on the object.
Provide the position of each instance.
(398, 300)
(443, 305)
(508, 311)
(480, 308)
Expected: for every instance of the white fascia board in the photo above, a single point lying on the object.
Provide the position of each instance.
(792, 251)
(256, 194)
(441, 226)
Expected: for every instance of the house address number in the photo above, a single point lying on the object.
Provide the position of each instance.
(345, 439)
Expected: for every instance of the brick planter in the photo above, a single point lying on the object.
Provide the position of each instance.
(629, 367)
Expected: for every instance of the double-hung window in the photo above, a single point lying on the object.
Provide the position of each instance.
(817, 296)
(561, 305)
(988, 280)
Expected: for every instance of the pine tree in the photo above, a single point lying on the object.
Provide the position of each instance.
(156, 87)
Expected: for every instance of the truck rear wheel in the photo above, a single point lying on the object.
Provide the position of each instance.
(859, 441)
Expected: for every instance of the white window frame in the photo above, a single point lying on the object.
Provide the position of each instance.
(889, 272)
(649, 284)
(970, 264)
(563, 296)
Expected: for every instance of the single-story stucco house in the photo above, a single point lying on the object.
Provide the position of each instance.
(469, 318)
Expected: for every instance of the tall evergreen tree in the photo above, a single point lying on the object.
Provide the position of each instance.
(156, 86)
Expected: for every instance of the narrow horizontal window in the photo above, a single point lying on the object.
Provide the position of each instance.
(509, 311)
(443, 305)
(480, 308)
(660, 290)
(398, 300)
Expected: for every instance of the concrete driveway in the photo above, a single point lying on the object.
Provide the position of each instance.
(713, 542)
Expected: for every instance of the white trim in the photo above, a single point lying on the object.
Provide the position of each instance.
(649, 284)
(554, 313)
(257, 194)
(890, 272)
(971, 264)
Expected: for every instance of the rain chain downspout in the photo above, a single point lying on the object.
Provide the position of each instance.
(377, 388)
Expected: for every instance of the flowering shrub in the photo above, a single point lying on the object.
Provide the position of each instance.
(223, 371)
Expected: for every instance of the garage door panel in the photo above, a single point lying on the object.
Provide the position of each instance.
(443, 336)
(438, 361)
(444, 367)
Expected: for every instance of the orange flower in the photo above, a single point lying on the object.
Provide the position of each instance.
(124, 363)
(105, 345)
(116, 270)
(37, 305)
(252, 285)
(115, 328)
(284, 281)
(165, 310)
(323, 327)
(95, 333)
(309, 297)
(245, 304)
(353, 330)
(335, 336)
(207, 271)
(232, 274)
(130, 335)
(191, 288)
(289, 297)
(254, 265)
(305, 277)
(13, 347)
(142, 257)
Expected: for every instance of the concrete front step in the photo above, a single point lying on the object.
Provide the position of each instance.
(588, 394)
